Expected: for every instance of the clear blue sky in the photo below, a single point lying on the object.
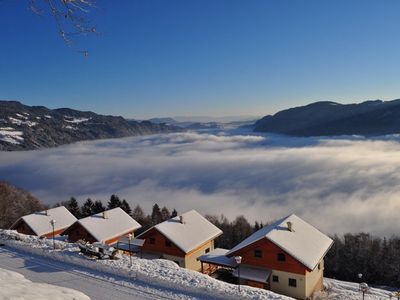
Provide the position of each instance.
(205, 57)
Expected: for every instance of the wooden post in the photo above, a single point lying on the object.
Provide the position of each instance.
(202, 269)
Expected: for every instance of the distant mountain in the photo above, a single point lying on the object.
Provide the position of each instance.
(330, 118)
(167, 121)
(191, 125)
(25, 127)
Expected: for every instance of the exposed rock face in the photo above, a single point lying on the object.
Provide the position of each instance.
(25, 127)
(329, 118)
(15, 203)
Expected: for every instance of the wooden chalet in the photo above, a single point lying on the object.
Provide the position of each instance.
(286, 257)
(106, 227)
(181, 239)
(39, 223)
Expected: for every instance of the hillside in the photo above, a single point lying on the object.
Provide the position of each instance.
(25, 127)
(15, 203)
(368, 118)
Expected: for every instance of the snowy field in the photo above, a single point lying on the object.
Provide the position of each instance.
(145, 279)
(15, 286)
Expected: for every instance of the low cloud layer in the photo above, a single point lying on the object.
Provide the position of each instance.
(339, 185)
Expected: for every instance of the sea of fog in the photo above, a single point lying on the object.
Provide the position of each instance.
(343, 184)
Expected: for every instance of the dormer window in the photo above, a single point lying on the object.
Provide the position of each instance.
(281, 257)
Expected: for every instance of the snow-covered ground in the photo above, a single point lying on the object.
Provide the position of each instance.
(165, 276)
(342, 290)
(159, 278)
(15, 286)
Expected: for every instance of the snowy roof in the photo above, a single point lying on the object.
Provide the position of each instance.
(39, 222)
(193, 232)
(305, 243)
(252, 273)
(218, 257)
(116, 223)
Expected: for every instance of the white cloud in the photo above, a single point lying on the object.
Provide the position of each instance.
(339, 185)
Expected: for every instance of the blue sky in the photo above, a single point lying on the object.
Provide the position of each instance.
(215, 58)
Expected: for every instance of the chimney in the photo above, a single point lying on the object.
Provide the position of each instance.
(290, 226)
(181, 219)
(104, 215)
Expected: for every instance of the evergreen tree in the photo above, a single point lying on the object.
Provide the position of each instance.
(98, 207)
(114, 202)
(73, 207)
(125, 207)
(165, 214)
(256, 226)
(87, 208)
(174, 213)
(156, 216)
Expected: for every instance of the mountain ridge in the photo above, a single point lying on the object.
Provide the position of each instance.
(24, 127)
(328, 118)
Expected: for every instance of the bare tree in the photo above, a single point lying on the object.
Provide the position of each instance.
(71, 16)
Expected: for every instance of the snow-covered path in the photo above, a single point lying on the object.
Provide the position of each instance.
(39, 269)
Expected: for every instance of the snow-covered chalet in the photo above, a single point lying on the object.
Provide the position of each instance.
(40, 223)
(286, 257)
(106, 227)
(181, 239)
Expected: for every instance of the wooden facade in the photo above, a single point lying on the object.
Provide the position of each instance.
(269, 257)
(155, 242)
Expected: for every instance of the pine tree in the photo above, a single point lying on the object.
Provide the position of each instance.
(165, 214)
(98, 207)
(73, 207)
(114, 202)
(174, 213)
(125, 207)
(156, 216)
(256, 226)
(87, 208)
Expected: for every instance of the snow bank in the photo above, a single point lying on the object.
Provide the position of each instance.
(342, 290)
(15, 286)
(163, 273)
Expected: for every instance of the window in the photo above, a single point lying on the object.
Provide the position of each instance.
(207, 250)
(152, 241)
(168, 243)
(292, 282)
(319, 266)
(281, 257)
(258, 253)
(275, 278)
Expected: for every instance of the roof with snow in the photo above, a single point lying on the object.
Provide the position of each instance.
(39, 222)
(116, 223)
(192, 233)
(305, 243)
(218, 257)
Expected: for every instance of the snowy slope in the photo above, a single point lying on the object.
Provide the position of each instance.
(15, 286)
(342, 290)
(162, 273)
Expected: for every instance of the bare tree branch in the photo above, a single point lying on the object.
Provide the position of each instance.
(71, 16)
